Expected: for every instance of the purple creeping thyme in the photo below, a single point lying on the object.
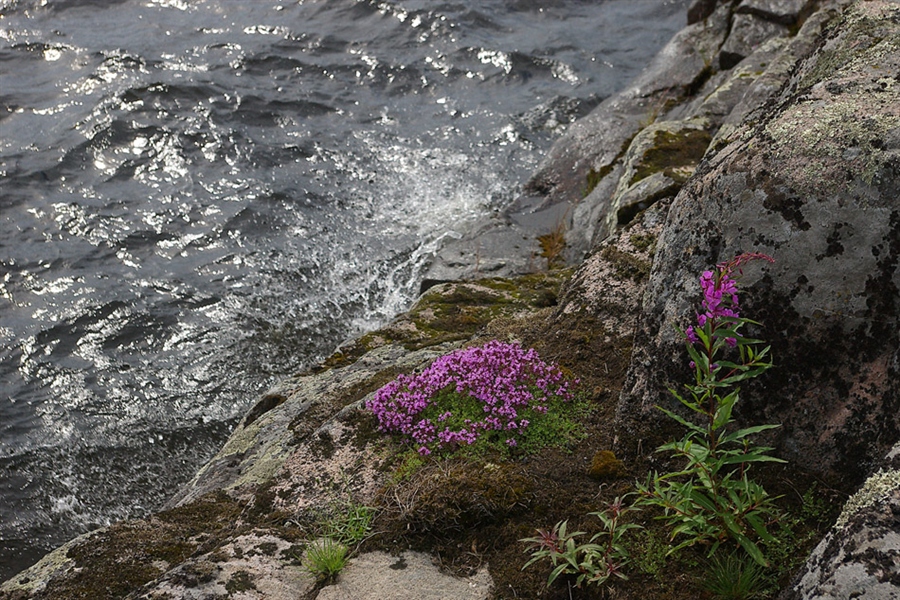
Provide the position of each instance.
(507, 383)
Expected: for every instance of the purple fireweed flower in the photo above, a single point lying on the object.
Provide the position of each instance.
(720, 298)
(504, 379)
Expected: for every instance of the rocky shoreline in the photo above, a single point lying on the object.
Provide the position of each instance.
(764, 125)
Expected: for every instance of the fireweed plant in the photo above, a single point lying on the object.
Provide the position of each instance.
(712, 498)
(596, 561)
(493, 392)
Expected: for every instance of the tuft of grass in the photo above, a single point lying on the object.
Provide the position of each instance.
(349, 524)
(326, 558)
(735, 576)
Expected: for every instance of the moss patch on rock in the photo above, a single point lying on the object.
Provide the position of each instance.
(674, 153)
(456, 311)
(121, 558)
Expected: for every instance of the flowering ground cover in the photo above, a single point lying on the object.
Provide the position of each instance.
(495, 393)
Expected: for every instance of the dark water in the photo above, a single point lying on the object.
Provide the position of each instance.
(198, 196)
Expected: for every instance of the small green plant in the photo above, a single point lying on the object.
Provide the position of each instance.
(650, 551)
(814, 507)
(325, 558)
(350, 523)
(712, 498)
(794, 535)
(560, 427)
(735, 576)
(602, 557)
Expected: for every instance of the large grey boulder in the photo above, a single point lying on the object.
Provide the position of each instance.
(772, 71)
(860, 557)
(815, 182)
(288, 424)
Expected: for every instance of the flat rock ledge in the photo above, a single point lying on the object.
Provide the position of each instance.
(410, 576)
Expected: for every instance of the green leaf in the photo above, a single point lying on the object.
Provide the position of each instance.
(751, 457)
(723, 412)
(731, 365)
(742, 433)
(749, 321)
(702, 335)
(734, 529)
(699, 359)
(702, 500)
(759, 527)
(748, 374)
(752, 549)
(683, 421)
(556, 573)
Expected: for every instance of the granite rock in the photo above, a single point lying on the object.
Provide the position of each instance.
(748, 32)
(860, 556)
(786, 12)
(815, 183)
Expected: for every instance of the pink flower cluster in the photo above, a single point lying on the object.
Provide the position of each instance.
(720, 299)
(505, 380)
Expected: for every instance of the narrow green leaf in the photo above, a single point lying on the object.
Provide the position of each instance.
(702, 500)
(749, 458)
(742, 433)
(738, 377)
(759, 527)
(702, 335)
(733, 528)
(723, 412)
(752, 549)
(683, 421)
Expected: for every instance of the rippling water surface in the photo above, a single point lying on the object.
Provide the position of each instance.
(198, 196)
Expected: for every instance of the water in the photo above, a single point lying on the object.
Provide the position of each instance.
(200, 196)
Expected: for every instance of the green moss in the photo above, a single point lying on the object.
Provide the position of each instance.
(458, 313)
(454, 312)
(671, 152)
(562, 426)
(267, 548)
(404, 464)
(876, 487)
(209, 513)
(643, 242)
(605, 465)
(120, 559)
(626, 266)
